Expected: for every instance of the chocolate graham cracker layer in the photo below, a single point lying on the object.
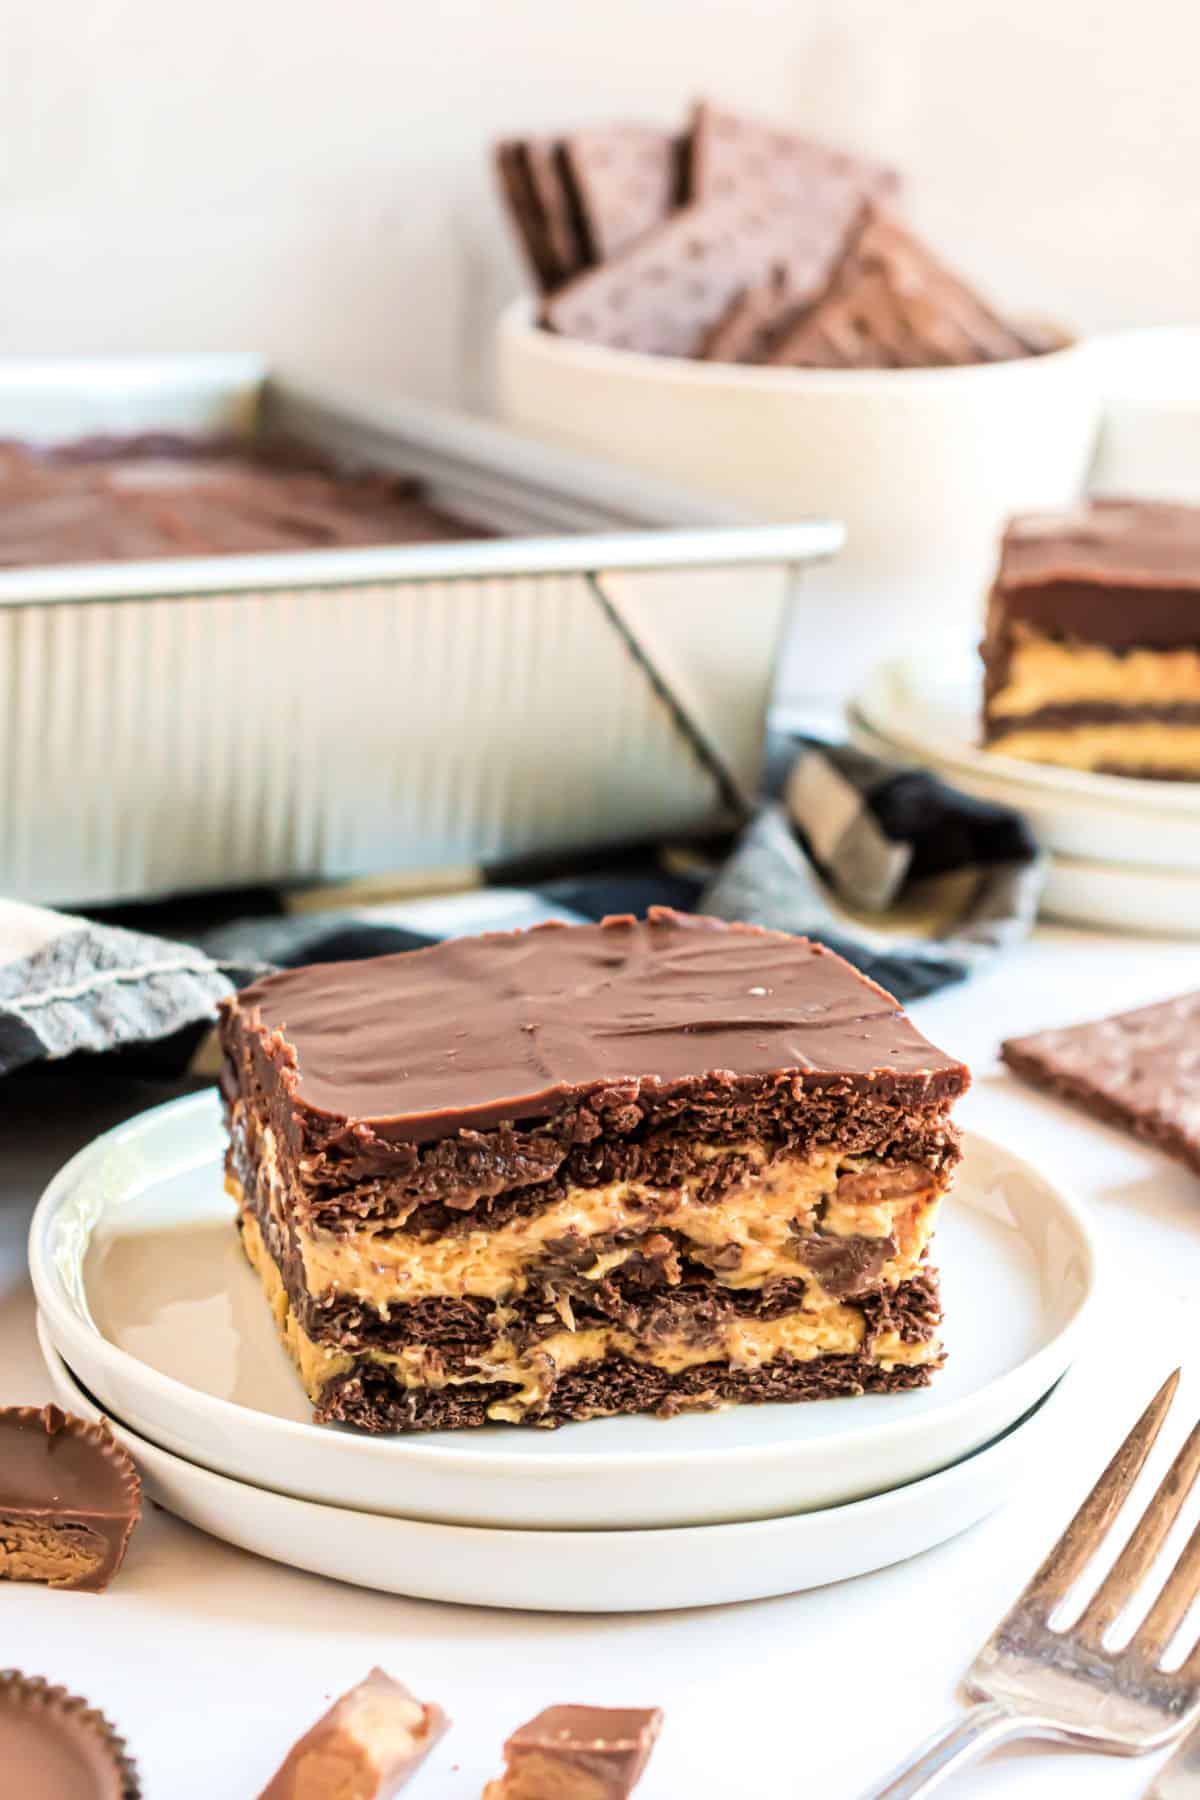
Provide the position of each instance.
(1137, 1069)
(1092, 647)
(540, 1176)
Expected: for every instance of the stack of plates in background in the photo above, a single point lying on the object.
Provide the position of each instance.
(150, 1317)
(1124, 853)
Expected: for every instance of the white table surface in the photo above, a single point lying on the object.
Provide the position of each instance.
(212, 1661)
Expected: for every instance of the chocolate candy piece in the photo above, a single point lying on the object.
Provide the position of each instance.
(53, 1746)
(69, 1498)
(368, 1745)
(1138, 1069)
(578, 1753)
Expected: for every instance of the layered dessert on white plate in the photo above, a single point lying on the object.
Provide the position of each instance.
(552, 1175)
(1092, 648)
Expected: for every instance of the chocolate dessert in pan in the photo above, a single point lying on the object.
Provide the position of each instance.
(281, 529)
(152, 495)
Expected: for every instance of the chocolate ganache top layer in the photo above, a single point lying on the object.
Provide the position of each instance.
(1123, 573)
(515, 1025)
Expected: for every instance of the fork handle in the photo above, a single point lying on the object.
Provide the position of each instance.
(980, 1729)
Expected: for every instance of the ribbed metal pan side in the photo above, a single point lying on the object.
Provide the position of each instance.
(325, 731)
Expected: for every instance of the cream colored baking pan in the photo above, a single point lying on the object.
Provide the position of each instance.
(598, 675)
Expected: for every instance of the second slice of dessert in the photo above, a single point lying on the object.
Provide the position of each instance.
(550, 1175)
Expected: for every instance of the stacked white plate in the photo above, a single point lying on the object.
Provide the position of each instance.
(150, 1317)
(1124, 853)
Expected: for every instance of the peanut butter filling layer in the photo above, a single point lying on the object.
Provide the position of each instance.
(1044, 672)
(832, 1329)
(754, 1232)
(1144, 744)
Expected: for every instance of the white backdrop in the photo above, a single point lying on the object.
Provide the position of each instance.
(309, 177)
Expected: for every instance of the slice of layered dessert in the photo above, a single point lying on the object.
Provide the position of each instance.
(549, 1175)
(1092, 649)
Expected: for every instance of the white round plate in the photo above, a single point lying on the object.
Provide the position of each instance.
(584, 1571)
(1086, 890)
(1166, 901)
(927, 710)
(137, 1268)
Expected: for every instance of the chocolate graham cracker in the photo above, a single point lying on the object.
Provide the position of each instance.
(892, 305)
(667, 292)
(742, 242)
(769, 216)
(744, 332)
(1138, 1069)
(623, 180)
(534, 186)
(729, 154)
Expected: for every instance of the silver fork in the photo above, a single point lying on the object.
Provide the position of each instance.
(1030, 1680)
(1179, 1778)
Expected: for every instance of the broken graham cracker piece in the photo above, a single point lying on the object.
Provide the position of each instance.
(54, 1746)
(819, 191)
(623, 180)
(368, 1745)
(892, 305)
(1139, 1070)
(671, 292)
(69, 1499)
(578, 1753)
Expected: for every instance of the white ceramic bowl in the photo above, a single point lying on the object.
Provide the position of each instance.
(922, 466)
(585, 1571)
(136, 1266)
(1150, 440)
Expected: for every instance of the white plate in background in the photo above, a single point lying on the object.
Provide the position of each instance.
(1111, 895)
(584, 1571)
(1082, 888)
(139, 1273)
(926, 710)
(1149, 442)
